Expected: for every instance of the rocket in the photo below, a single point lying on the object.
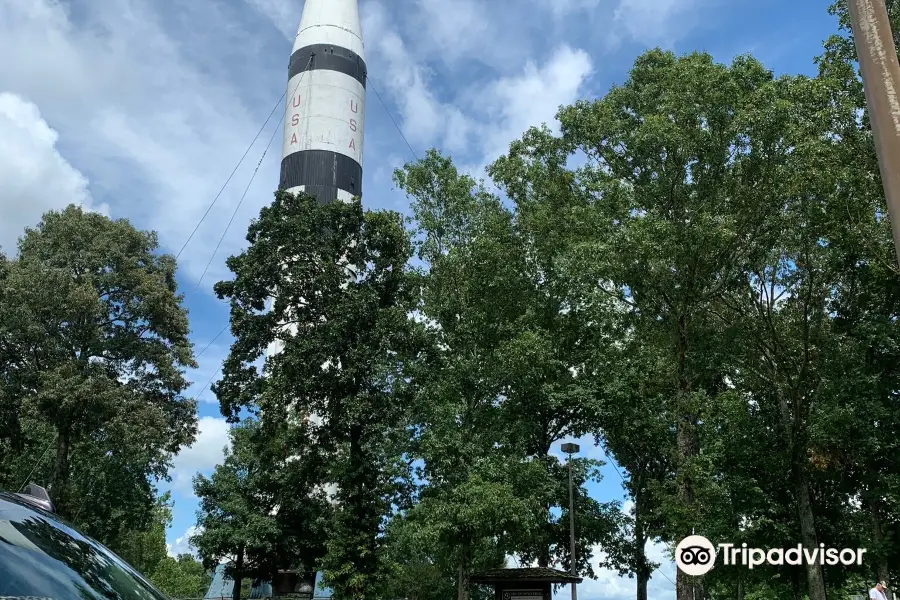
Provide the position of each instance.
(324, 112)
(325, 104)
(324, 117)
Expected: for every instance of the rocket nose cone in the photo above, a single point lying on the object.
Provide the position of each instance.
(330, 22)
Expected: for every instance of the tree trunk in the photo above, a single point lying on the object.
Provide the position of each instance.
(882, 570)
(642, 578)
(238, 574)
(740, 588)
(686, 587)
(544, 557)
(814, 578)
(642, 572)
(462, 584)
(60, 478)
(544, 551)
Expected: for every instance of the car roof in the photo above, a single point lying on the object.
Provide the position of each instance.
(15, 507)
(11, 503)
(7, 498)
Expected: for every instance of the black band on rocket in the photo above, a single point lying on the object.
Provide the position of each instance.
(318, 170)
(330, 58)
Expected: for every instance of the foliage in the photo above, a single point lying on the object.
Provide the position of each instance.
(181, 577)
(235, 517)
(147, 552)
(93, 373)
(337, 274)
(146, 549)
(696, 271)
(500, 390)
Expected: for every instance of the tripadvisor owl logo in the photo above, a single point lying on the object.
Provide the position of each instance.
(695, 555)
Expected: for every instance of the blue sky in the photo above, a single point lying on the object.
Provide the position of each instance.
(142, 108)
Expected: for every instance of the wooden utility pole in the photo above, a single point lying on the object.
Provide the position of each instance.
(881, 80)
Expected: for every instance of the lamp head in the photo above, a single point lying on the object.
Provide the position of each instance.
(570, 448)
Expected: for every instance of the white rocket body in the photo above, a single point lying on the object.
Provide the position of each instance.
(324, 116)
(325, 104)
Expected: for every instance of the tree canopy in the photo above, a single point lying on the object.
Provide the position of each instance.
(92, 392)
(694, 270)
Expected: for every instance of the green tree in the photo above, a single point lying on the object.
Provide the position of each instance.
(235, 518)
(415, 564)
(144, 550)
(294, 462)
(866, 305)
(337, 274)
(786, 303)
(181, 577)
(147, 552)
(500, 391)
(542, 365)
(96, 385)
(674, 156)
(11, 436)
(632, 425)
(468, 508)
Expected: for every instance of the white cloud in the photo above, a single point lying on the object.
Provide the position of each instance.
(481, 118)
(428, 59)
(564, 8)
(531, 97)
(424, 120)
(656, 22)
(34, 177)
(156, 106)
(202, 456)
(182, 544)
(155, 124)
(610, 586)
(284, 14)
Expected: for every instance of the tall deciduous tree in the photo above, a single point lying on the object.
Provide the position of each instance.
(236, 519)
(786, 305)
(340, 310)
(99, 363)
(547, 395)
(146, 551)
(502, 389)
(469, 503)
(674, 159)
(866, 307)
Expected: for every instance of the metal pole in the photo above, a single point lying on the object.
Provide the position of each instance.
(881, 79)
(572, 527)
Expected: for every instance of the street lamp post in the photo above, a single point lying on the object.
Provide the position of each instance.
(571, 449)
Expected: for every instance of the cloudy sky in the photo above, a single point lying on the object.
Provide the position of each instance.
(142, 109)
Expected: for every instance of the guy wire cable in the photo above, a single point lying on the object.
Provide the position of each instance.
(252, 177)
(246, 152)
(390, 116)
(218, 335)
(38, 462)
